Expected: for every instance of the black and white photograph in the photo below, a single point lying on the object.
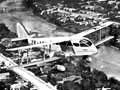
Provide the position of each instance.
(59, 44)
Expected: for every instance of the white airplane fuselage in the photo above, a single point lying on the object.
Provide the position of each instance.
(74, 46)
(78, 44)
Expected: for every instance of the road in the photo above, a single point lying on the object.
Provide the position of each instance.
(29, 76)
(26, 75)
(108, 61)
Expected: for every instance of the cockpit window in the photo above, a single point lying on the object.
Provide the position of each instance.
(76, 44)
(85, 43)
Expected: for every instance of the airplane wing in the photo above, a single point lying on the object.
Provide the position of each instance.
(57, 40)
(27, 47)
(104, 40)
(94, 29)
(41, 63)
(62, 39)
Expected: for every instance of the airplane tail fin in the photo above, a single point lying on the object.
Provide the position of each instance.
(21, 31)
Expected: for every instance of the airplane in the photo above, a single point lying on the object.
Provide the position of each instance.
(75, 45)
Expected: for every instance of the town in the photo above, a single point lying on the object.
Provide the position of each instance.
(59, 45)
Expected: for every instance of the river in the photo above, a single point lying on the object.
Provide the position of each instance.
(107, 60)
(13, 11)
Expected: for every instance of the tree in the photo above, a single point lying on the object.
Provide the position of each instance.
(2, 86)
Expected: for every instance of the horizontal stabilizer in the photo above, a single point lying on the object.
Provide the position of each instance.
(104, 40)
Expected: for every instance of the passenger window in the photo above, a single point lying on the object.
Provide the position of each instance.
(69, 43)
(85, 43)
(65, 43)
(76, 44)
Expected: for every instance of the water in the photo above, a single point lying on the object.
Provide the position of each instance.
(13, 11)
(108, 61)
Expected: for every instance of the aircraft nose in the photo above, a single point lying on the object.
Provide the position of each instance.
(95, 50)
